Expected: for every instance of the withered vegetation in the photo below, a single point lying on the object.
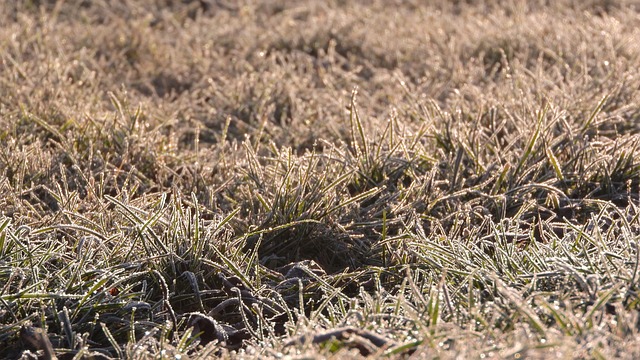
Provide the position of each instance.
(451, 179)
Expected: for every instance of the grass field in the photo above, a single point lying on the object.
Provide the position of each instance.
(305, 179)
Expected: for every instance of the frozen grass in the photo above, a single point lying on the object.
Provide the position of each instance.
(309, 179)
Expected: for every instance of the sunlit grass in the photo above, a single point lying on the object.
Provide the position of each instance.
(267, 179)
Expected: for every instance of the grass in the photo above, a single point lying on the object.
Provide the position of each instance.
(271, 179)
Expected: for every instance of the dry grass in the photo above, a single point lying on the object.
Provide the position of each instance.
(323, 179)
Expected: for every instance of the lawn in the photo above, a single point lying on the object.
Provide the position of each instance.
(307, 179)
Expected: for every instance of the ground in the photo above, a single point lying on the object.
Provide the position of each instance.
(306, 179)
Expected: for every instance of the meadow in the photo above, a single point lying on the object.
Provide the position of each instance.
(279, 179)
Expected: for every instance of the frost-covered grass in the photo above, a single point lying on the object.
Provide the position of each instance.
(272, 179)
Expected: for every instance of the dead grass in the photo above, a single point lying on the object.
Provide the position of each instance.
(264, 179)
